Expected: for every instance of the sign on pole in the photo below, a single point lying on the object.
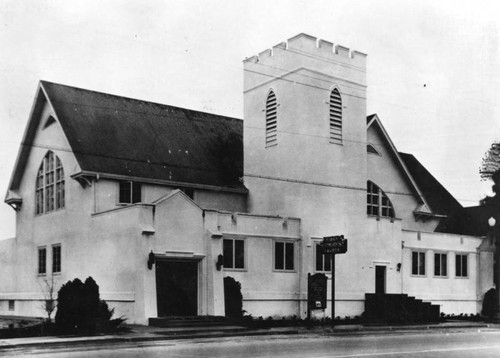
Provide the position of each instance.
(333, 245)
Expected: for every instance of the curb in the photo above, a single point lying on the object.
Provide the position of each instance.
(168, 336)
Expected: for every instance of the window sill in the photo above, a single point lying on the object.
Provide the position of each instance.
(381, 218)
(462, 277)
(49, 212)
(441, 277)
(235, 269)
(418, 276)
(284, 271)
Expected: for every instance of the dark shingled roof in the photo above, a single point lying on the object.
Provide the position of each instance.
(439, 199)
(127, 137)
(472, 221)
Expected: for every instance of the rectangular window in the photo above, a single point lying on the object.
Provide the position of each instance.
(441, 265)
(234, 253)
(42, 260)
(12, 305)
(461, 265)
(323, 262)
(418, 263)
(284, 256)
(56, 258)
(129, 192)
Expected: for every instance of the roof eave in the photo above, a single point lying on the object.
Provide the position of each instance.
(98, 175)
(376, 120)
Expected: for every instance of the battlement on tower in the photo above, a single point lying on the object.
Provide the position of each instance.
(308, 45)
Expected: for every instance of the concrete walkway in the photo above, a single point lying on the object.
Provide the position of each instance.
(139, 333)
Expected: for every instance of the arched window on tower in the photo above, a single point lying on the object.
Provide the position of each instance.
(335, 116)
(378, 204)
(50, 191)
(271, 120)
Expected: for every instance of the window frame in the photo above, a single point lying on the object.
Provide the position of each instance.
(50, 185)
(285, 243)
(420, 253)
(233, 257)
(42, 266)
(56, 259)
(335, 116)
(131, 194)
(441, 265)
(326, 268)
(462, 256)
(374, 191)
(271, 119)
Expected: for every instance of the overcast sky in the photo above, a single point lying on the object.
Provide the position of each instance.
(433, 66)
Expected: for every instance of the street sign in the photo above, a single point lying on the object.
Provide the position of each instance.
(334, 245)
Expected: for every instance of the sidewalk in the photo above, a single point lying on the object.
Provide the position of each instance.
(148, 334)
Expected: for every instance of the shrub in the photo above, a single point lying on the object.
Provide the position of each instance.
(489, 301)
(81, 311)
(233, 300)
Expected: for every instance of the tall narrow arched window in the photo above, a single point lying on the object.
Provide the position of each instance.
(49, 193)
(271, 120)
(335, 116)
(378, 204)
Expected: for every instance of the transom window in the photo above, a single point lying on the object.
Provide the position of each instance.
(461, 265)
(418, 263)
(129, 192)
(323, 262)
(50, 191)
(271, 120)
(283, 256)
(335, 116)
(441, 265)
(234, 253)
(378, 204)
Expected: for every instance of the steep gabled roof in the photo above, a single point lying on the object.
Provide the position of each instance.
(123, 137)
(424, 208)
(439, 199)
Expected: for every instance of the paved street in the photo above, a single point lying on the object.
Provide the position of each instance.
(461, 343)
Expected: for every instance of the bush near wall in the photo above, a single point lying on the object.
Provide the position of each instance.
(81, 311)
(233, 299)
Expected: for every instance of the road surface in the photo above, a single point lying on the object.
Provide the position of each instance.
(464, 343)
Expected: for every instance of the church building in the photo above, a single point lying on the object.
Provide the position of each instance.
(159, 204)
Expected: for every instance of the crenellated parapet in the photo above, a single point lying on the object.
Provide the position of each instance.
(311, 46)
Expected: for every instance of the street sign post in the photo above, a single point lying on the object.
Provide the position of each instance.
(333, 245)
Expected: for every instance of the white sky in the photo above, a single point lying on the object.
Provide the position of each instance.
(189, 54)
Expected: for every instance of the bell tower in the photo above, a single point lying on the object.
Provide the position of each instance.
(304, 123)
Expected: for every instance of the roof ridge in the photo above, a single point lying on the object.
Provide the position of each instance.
(44, 82)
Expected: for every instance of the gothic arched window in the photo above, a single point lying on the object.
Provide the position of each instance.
(49, 193)
(271, 120)
(335, 116)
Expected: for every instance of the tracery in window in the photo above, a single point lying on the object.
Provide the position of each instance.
(50, 190)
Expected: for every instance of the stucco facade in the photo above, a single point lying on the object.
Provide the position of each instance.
(303, 187)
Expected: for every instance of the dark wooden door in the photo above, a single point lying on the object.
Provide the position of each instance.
(380, 272)
(177, 288)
